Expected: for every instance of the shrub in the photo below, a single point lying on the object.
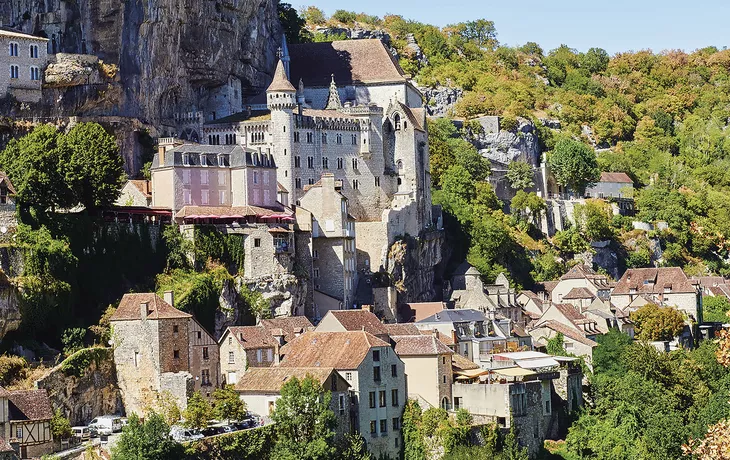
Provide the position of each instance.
(242, 445)
(77, 364)
(12, 369)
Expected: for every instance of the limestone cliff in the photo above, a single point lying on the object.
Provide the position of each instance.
(172, 55)
(414, 266)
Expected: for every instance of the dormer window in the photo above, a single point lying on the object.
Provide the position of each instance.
(632, 291)
(224, 160)
(667, 289)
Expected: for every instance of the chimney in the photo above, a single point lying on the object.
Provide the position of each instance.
(169, 297)
(276, 354)
(367, 308)
(144, 309)
(453, 336)
(436, 333)
(161, 150)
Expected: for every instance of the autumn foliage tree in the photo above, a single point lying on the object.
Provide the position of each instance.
(657, 323)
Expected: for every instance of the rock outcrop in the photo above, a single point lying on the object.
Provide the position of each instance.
(66, 70)
(414, 266)
(440, 101)
(505, 146)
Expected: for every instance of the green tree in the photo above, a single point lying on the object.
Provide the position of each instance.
(480, 32)
(715, 309)
(595, 60)
(227, 405)
(606, 356)
(146, 441)
(95, 167)
(574, 164)
(292, 24)
(304, 422)
(520, 175)
(594, 220)
(168, 408)
(413, 445)
(570, 241)
(198, 413)
(529, 206)
(344, 16)
(547, 267)
(60, 426)
(314, 15)
(353, 447)
(556, 345)
(657, 323)
(73, 340)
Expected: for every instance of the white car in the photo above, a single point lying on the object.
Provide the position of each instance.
(181, 434)
(106, 425)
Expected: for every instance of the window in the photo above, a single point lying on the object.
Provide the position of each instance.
(205, 377)
(257, 242)
(341, 404)
(222, 197)
(396, 423)
(316, 272)
(258, 355)
(348, 376)
(230, 340)
(267, 196)
(296, 136)
(354, 163)
(325, 163)
(175, 329)
(35, 74)
(396, 119)
(547, 407)
(14, 71)
(255, 177)
(355, 184)
(381, 397)
(315, 255)
(394, 397)
(373, 427)
(297, 161)
(383, 426)
(136, 359)
(176, 354)
(231, 357)
(205, 353)
(372, 399)
(19, 432)
(186, 197)
(339, 138)
(34, 51)
(310, 181)
(340, 163)
(376, 373)
(354, 139)
(444, 379)
(443, 360)
(204, 197)
(204, 177)
(298, 183)
(269, 354)
(377, 181)
(324, 138)
(376, 355)
(310, 138)
(266, 177)
(13, 49)
(393, 370)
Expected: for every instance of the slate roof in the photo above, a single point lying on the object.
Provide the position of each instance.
(253, 337)
(350, 61)
(454, 316)
(359, 320)
(12, 33)
(30, 405)
(619, 177)
(419, 345)
(579, 293)
(290, 326)
(339, 350)
(465, 268)
(269, 380)
(653, 281)
(280, 82)
(129, 308)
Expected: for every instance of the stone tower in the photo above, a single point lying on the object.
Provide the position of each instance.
(281, 100)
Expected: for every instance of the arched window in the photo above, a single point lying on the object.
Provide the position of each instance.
(396, 121)
(445, 403)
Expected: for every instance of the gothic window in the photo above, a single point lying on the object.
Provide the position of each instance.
(14, 49)
(35, 74)
(14, 71)
(325, 163)
(296, 137)
(298, 183)
(310, 138)
(339, 138)
(354, 139)
(324, 138)
(310, 162)
(297, 162)
(377, 181)
(34, 51)
(311, 181)
(399, 165)
(354, 163)
(340, 163)
(355, 184)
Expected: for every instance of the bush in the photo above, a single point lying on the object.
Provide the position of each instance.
(345, 17)
(77, 364)
(12, 369)
(73, 340)
(252, 444)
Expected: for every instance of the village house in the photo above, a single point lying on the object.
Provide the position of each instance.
(136, 193)
(334, 262)
(23, 59)
(581, 282)
(158, 349)
(497, 300)
(666, 286)
(427, 362)
(25, 421)
(260, 388)
(376, 376)
(244, 347)
(286, 328)
(617, 188)
(579, 332)
(416, 311)
(353, 320)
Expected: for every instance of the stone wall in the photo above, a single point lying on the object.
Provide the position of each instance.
(82, 398)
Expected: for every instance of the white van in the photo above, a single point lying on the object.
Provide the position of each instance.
(82, 433)
(106, 425)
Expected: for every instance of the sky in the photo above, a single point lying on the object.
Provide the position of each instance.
(614, 25)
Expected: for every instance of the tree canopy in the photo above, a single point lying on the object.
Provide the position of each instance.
(574, 164)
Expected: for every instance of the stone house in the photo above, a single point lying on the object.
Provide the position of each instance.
(286, 329)
(260, 388)
(244, 347)
(612, 185)
(497, 300)
(334, 258)
(581, 276)
(427, 362)
(26, 420)
(376, 376)
(353, 320)
(158, 348)
(136, 193)
(23, 60)
(579, 331)
(667, 286)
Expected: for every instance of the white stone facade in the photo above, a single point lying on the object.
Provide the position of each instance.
(23, 59)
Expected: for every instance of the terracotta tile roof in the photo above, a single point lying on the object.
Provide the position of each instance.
(350, 61)
(619, 177)
(579, 293)
(4, 178)
(533, 296)
(444, 338)
(280, 82)
(546, 286)
(519, 331)
(462, 363)
(653, 281)
(402, 329)
(414, 345)
(281, 188)
(144, 187)
(290, 326)
(567, 331)
(422, 310)
(129, 308)
(30, 405)
(227, 211)
(359, 320)
(269, 380)
(570, 312)
(578, 272)
(253, 337)
(340, 350)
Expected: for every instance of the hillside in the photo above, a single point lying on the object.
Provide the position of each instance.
(659, 117)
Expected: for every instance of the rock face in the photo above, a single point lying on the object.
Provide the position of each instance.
(440, 101)
(83, 398)
(73, 70)
(414, 266)
(172, 55)
(505, 146)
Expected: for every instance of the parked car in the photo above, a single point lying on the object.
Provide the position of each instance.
(81, 433)
(106, 425)
(227, 429)
(181, 434)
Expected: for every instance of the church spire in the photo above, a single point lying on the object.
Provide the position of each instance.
(333, 103)
(280, 82)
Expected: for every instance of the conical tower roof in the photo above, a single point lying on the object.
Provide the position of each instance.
(280, 82)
